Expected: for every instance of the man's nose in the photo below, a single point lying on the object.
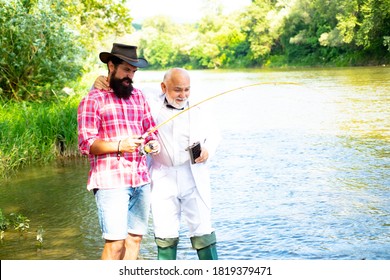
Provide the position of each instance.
(130, 75)
(184, 94)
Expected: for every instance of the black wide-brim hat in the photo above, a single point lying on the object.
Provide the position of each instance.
(126, 53)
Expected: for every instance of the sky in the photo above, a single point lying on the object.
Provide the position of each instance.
(179, 10)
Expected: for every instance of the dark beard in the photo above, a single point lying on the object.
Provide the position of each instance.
(120, 90)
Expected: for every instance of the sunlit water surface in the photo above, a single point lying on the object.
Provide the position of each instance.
(302, 172)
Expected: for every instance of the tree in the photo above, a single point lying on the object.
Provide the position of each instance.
(158, 41)
(257, 27)
(47, 44)
(97, 20)
(374, 21)
(38, 53)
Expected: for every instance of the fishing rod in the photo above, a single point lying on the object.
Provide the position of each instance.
(153, 129)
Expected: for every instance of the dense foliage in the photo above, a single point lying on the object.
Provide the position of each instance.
(45, 44)
(38, 54)
(274, 33)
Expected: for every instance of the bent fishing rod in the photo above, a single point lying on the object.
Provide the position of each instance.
(210, 98)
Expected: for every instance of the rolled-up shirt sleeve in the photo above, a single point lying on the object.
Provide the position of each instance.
(88, 122)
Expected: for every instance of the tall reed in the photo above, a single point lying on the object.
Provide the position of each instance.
(37, 132)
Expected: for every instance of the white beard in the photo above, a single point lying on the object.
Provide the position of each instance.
(177, 105)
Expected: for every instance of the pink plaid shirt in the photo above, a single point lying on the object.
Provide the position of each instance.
(102, 115)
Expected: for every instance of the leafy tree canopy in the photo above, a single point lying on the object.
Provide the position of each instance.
(45, 44)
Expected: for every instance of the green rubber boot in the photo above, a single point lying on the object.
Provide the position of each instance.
(166, 248)
(208, 253)
(205, 246)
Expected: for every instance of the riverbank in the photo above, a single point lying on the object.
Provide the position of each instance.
(33, 132)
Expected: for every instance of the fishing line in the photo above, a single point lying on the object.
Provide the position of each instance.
(209, 98)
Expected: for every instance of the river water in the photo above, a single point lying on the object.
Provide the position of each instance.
(302, 173)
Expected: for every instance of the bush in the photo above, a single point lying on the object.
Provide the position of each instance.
(38, 54)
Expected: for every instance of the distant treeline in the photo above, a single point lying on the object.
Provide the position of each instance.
(47, 45)
(274, 33)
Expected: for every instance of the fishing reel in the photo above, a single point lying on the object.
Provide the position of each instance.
(146, 149)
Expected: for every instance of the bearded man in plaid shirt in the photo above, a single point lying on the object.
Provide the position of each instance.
(110, 125)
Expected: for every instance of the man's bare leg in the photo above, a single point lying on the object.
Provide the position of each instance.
(132, 246)
(113, 250)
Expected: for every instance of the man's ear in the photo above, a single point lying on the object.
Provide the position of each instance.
(163, 87)
(111, 67)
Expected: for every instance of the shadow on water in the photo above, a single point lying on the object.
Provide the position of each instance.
(301, 173)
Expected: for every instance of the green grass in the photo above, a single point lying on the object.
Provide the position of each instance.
(37, 132)
(42, 131)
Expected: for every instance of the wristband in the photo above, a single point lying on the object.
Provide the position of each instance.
(118, 153)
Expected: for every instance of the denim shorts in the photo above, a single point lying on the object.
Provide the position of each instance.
(122, 211)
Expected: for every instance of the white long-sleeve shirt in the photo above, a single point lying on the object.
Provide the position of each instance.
(175, 136)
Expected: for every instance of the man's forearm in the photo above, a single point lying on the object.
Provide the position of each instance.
(100, 147)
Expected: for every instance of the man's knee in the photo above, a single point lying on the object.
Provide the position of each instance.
(114, 247)
(134, 238)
